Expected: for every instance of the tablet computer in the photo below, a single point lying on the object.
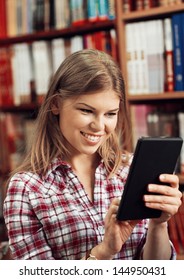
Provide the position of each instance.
(152, 157)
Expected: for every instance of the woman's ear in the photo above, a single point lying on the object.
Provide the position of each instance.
(55, 107)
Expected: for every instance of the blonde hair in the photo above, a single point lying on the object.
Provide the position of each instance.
(80, 73)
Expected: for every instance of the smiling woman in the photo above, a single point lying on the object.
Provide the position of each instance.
(62, 201)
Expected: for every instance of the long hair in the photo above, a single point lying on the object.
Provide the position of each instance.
(80, 73)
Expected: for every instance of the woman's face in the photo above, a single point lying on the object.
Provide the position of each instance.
(88, 120)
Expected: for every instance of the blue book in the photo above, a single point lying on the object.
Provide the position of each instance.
(178, 51)
(92, 10)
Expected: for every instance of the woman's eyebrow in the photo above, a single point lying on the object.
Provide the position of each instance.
(92, 108)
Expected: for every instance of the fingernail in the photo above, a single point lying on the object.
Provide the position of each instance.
(162, 177)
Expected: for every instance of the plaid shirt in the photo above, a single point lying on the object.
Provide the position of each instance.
(52, 217)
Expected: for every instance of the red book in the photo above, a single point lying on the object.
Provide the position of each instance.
(127, 6)
(169, 66)
(6, 80)
(3, 28)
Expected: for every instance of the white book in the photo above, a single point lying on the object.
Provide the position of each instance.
(58, 52)
(130, 52)
(62, 13)
(144, 61)
(181, 133)
(152, 56)
(42, 67)
(25, 72)
(15, 61)
(141, 67)
(22, 73)
(160, 53)
(76, 43)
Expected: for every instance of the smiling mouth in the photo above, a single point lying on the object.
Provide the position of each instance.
(90, 137)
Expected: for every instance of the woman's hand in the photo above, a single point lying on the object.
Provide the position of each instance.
(167, 198)
(116, 232)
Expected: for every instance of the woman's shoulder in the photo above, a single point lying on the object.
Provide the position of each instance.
(24, 180)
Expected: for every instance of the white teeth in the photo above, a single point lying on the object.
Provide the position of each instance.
(91, 137)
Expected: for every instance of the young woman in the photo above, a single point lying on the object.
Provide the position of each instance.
(62, 201)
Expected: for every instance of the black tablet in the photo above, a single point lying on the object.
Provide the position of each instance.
(152, 157)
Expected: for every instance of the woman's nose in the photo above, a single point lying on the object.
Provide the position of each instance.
(97, 124)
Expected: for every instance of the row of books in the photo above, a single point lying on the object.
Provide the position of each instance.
(16, 131)
(155, 52)
(139, 5)
(151, 121)
(25, 64)
(23, 17)
(176, 229)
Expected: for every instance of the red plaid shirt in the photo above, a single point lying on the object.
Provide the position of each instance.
(52, 217)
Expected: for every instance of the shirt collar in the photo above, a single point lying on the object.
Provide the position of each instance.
(58, 163)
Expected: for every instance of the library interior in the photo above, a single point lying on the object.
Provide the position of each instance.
(145, 38)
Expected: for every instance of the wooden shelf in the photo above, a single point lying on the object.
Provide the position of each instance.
(20, 109)
(140, 98)
(65, 33)
(152, 13)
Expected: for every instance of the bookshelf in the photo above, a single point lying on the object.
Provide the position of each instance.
(162, 99)
(119, 24)
(28, 110)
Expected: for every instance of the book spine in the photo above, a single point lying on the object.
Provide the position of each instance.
(102, 9)
(178, 50)
(111, 9)
(3, 27)
(92, 10)
(181, 133)
(169, 75)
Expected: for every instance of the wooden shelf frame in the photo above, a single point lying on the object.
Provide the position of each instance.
(90, 27)
(155, 12)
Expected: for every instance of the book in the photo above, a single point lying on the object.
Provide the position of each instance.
(102, 9)
(6, 77)
(39, 16)
(127, 6)
(78, 10)
(22, 73)
(130, 53)
(111, 9)
(144, 61)
(169, 67)
(140, 58)
(58, 52)
(178, 51)
(113, 44)
(3, 26)
(62, 14)
(162, 124)
(76, 43)
(139, 121)
(160, 53)
(92, 10)
(42, 67)
(181, 133)
(155, 52)
(11, 17)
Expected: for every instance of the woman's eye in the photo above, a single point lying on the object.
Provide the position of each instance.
(86, 111)
(111, 114)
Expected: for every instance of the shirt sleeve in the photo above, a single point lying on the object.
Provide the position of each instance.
(26, 236)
